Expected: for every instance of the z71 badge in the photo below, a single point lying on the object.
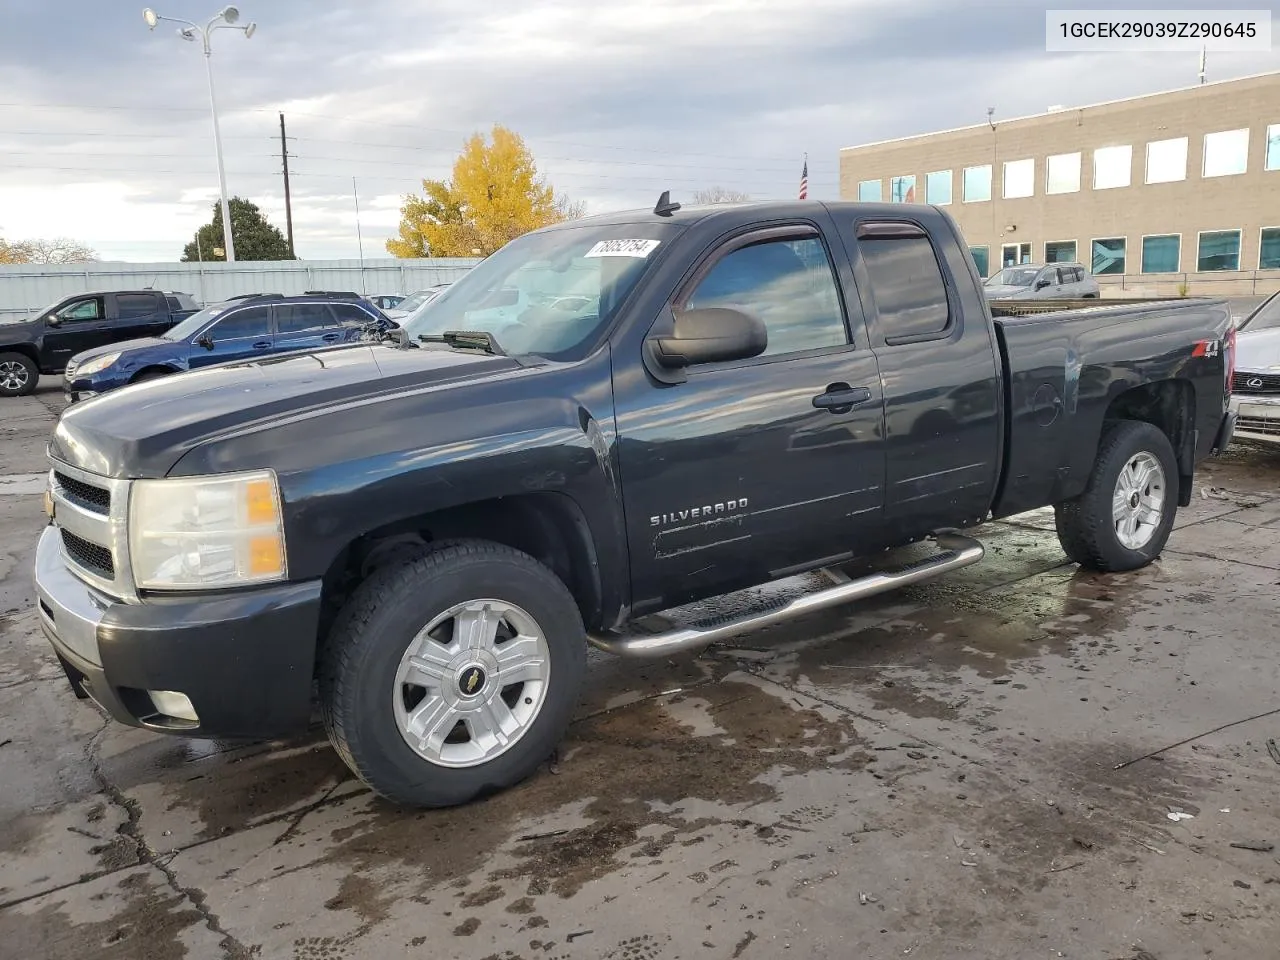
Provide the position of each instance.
(698, 513)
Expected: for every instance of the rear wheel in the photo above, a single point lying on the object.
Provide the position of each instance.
(18, 375)
(452, 675)
(1123, 518)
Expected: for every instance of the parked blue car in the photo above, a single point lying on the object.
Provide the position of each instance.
(237, 329)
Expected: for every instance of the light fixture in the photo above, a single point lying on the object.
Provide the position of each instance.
(248, 30)
(149, 16)
(230, 14)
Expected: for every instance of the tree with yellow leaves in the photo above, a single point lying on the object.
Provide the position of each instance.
(496, 195)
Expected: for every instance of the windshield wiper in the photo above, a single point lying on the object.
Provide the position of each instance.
(466, 340)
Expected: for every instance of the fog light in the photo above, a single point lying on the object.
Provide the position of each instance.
(173, 704)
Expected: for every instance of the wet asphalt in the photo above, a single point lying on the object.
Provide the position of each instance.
(927, 775)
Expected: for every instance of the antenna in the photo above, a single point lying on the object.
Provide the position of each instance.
(665, 207)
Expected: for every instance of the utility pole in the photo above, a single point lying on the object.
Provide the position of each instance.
(288, 203)
(355, 193)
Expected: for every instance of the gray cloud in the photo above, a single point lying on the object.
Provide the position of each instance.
(617, 101)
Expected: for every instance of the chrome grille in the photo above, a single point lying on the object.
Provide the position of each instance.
(90, 555)
(84, 494)
(1255, 383)
(90, 512)
(1261, 425)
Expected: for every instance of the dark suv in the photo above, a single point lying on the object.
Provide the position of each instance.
(44, 344)
(233, 330)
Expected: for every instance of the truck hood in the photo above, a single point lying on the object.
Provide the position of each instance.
(1003, 291)
(24, 331)
(1258, 352)
(143, 430)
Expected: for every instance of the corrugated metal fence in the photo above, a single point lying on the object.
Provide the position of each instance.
(27, 287)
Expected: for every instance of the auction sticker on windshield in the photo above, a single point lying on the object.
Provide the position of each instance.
(623, 248)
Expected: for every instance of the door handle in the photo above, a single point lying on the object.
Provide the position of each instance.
(262, 345)
(841, 398)
(330, 337)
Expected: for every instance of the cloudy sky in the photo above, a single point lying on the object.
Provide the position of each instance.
(105, 132)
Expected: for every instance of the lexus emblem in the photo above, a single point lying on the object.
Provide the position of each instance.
(1256, 382)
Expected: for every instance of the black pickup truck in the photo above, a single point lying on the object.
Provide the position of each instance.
(44, 344)
(602, 427)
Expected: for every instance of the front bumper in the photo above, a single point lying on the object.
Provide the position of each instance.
(244, 659)
(1257, 417)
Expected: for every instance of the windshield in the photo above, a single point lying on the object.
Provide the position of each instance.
(1265, 317)
(1014, 277)
(546, 293)
(415, 300)
(191, 324)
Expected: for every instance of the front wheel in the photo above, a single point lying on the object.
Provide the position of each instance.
(18, 375)
(452, 675)
(1124, 517)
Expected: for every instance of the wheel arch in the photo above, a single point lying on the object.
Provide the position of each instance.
(1170, 406)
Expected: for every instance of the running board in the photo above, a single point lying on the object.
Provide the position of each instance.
(764, 607)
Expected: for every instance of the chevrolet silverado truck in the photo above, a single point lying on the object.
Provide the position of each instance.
(612, 431)
(46, 343)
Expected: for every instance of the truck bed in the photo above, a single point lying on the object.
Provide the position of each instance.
(1063, 367)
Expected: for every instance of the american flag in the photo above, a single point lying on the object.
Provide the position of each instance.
(804, 180)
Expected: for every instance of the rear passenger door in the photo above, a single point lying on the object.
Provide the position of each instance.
(143, 314)
(937, 358)
(238, 335)
(305, 326)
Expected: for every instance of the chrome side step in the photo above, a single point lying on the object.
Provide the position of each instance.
(955, 551)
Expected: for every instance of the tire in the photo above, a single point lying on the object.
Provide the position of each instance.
(18, 375)
(1123, 519)
(368, 697)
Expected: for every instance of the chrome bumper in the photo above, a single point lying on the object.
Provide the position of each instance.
(69, 609)
(1257, 417)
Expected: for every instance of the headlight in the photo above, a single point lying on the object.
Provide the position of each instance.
(196, 532)
(97, 364)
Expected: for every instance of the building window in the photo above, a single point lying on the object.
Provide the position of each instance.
(977, 183)
(1108, 256)
(1161, 254)
(902, 190)
(1167, 160)
(869, 191)
(937, 187)
(1062, 173)
(1273, 147)
(1269, 249)
(1219, 250)
(1226, 153)
(1019, 179)
(1060, 251)
(981, 260)
(1112, 167)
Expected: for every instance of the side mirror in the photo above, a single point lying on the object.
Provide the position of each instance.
(1041, 284)
(53, 320)
(205, 341)
(709, 335)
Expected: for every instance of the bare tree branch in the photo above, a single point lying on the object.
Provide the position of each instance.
(719, 195)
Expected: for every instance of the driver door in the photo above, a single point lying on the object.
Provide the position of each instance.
(80, 325)
(237, 336)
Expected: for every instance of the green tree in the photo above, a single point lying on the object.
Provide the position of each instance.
(256, 238)
(495, 195)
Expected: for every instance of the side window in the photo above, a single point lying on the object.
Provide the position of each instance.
(789, 284)
(253, 322)
(907, 284)
(297, 319)
(349, 315)
(90, 309)
(131, 306)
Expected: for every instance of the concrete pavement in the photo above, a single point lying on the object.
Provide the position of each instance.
(930, 775)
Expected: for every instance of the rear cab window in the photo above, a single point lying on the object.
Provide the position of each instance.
(906, 281)
(132, 306)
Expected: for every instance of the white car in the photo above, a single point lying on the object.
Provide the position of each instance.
(1255, 395)
(412, 302)
(1036, 281)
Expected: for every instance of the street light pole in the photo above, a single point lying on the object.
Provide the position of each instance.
(225, 19)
